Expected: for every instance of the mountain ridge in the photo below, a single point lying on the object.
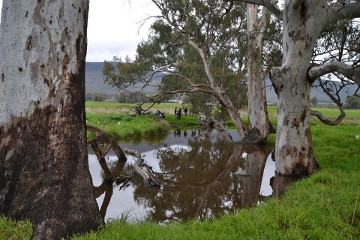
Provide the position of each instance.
(94, 83)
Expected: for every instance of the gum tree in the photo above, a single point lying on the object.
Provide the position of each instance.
(197, 44)
(303, 22)
(257, 27)
(44, 174)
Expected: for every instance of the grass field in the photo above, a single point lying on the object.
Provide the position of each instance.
(329, 112)
(118, 121)
(126, 107)
(169, 107)
(322, 206)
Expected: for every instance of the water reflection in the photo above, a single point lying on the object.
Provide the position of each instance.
(201, 174)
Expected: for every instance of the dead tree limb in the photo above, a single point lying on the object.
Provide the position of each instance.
(144, 174)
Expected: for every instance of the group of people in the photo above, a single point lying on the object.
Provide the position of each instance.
(160, 114)
(178, 113)
(140, 111)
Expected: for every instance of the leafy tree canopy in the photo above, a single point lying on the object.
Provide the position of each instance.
(216, 27)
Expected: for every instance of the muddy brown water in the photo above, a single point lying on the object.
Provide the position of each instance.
(202, 175)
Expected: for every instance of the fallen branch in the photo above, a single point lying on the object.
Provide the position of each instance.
(144, 174)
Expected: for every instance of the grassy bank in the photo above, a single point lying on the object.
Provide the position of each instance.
(125, 126)
(321, 206)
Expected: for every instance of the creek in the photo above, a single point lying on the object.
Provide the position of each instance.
(201, 175)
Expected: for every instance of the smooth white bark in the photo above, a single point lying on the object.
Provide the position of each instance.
(293, 148)
(44, 171)
(303, 21)
(257, 104)
(33, 51)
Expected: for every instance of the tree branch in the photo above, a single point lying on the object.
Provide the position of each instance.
(189, 80)
(336, 100)
(350, 72)
(344, 11)
(327, 121)
(162, 95)
(270, 5)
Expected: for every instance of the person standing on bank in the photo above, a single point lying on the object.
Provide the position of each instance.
(179, 114)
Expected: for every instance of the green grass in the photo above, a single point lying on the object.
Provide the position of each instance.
(124, 126)
(14, 230)
(272, 110)
(183, 122)
(334, 112)
(318, 207)
(329, 112)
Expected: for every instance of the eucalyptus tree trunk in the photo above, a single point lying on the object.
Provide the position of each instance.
(294, 152)
(44, 174)
(257, 104)
(303, 21)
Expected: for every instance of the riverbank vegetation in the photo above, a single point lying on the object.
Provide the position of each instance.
(322, 206)
(120, 121)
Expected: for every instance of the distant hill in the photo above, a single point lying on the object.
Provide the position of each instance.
(315, 92)
(95, 84)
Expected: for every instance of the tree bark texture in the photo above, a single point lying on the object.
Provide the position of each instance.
(302, 25)
(257, 104)
(44, 173)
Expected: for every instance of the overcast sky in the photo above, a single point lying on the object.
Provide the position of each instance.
(113, 27)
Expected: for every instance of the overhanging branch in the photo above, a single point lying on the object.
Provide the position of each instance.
(327, 121)
(353, 73)
(158, 97)
(336, 100)
(270, 5)
(343, 11)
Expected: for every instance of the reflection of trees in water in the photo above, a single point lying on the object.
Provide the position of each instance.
(203, 180)
(208, 178)
(150, 139)
(101, 145)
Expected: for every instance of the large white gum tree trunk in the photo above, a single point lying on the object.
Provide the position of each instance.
(44, 173)
(303, 21)
(257, 104)
(293, 148)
